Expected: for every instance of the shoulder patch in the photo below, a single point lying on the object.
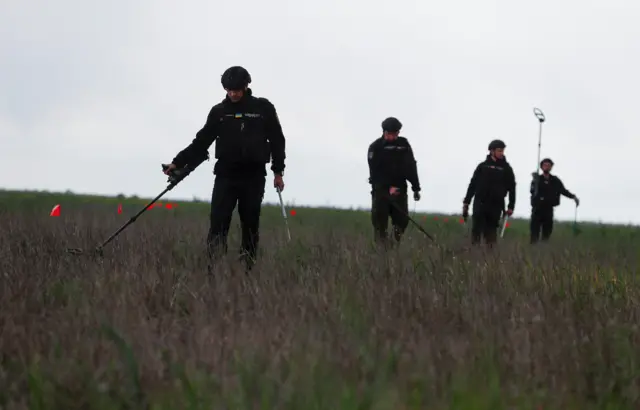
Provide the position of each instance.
(370, 154)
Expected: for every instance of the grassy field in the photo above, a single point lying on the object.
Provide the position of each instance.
(324, 322)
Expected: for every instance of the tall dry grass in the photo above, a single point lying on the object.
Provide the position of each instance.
(324, 322)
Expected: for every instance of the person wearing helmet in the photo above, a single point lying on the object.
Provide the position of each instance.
(546, 190)
(391, 165)
(491, 181)
(248, 134)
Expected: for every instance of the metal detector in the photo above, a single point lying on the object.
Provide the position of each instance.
(504, 225)
(576, 229)
(417, 225)
(284, 213)
(175, 177)
(541, 118)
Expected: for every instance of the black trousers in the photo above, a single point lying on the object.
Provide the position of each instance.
(485, 222)
(383, 207)
(541, 222)
(247, 192)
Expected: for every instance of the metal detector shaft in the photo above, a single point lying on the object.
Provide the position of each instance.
(417, 225)
(284, 213)
(174, 179)
(504, 225)
(541, 118)
(133, 218)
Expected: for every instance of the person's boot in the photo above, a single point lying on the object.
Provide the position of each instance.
(247, 260)
(397, 235)
(381, 240)
(214, 255)
(491, 239)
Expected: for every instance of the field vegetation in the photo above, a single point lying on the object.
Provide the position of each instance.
(326, 321)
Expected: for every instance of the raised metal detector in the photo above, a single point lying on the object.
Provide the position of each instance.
(541, 118)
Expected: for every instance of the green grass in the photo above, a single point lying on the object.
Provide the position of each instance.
(326, 321)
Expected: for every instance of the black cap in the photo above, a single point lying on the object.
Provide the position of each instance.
(495, 144)
(235, 78)
(391, 124)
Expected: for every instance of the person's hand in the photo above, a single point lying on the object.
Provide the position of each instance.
(416, 196)
(575, 198)
(169, 169)
(509, 212)
(465, 211)
(278, 182)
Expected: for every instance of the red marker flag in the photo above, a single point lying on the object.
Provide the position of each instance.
(55, 211)
(119, 208)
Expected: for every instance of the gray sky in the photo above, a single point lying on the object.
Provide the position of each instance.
(95, 95)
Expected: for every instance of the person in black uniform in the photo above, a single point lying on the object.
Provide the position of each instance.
(545, 195)
(491, 181)
(248, 134)
(391, 164)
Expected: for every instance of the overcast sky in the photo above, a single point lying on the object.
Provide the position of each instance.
(94, 96)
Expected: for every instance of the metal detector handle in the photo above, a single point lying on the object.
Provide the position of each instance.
(539, 114)
(541, 118)
(179, 174)
(504, 225)
(176, 175)
(284, 213)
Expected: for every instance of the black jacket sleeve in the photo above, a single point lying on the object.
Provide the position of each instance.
(196, 152)
(511, 187)
(532, 187)
(471, 189)
(276, 137)
(412, 169)
(564, 191)
(370, 154)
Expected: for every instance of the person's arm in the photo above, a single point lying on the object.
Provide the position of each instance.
(471, 189)
(370, 154)
(511, 186)
(412, 169)
(196, 152)
(276, 138)
(534, 181)
(564, 191)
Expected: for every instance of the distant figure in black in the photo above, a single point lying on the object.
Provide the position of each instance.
(491, 181)
(545, 195)
(391, 165)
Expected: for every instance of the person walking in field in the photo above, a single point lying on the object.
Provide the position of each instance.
(545, 195)
(391, 165)
(491, 181)
(248, 134)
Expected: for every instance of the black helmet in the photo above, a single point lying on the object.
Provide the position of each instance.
(391, 124)
(235, 78)
(496, 144)
(546, 160)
